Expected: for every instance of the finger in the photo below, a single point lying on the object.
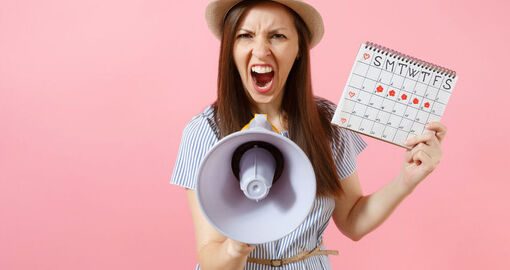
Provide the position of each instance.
(439, 129)
(241, 247)
(427, 138)
(241, 244)
(420, 147)
(424, 161)
(409, 156)
(433, 151)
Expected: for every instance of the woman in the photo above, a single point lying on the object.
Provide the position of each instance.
(264, 67)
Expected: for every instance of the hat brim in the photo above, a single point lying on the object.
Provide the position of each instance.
(217, 10)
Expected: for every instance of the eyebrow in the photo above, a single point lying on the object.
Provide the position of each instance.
(270, 32)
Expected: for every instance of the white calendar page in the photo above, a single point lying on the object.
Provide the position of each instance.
(391, 97)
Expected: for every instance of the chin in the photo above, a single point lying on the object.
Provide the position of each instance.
(258, 98)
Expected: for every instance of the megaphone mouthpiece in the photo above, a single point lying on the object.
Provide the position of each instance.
(256, 171)
(275, 153)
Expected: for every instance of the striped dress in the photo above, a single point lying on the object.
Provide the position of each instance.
(201, 134)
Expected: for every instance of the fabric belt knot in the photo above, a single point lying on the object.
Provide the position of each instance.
(298, 257)
(276, 263)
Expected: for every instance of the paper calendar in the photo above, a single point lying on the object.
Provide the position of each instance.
(392, 96)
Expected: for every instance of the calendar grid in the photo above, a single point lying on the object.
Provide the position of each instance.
(391, 106)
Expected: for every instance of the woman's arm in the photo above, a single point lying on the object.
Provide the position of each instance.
(356, 215)
(214, 250)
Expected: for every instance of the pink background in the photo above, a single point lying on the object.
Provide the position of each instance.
(94, 96)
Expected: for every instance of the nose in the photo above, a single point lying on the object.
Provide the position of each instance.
(261, 48)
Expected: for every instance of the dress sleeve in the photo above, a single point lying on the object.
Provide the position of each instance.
(345, 144)
(197, 138)
(346, 147)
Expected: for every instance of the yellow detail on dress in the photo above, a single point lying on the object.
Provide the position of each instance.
(246, 126)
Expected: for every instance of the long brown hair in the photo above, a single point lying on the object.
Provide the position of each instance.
(232, 107)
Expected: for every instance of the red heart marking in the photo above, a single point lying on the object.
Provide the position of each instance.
(366, 56)
(351, 94)
(343, 120)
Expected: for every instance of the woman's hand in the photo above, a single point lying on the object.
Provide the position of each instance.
(237, 249)
(214, 250)
(424, 157)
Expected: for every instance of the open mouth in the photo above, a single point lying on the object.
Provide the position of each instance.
(262, 77)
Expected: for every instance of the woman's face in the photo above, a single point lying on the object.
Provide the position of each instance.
(265, 47)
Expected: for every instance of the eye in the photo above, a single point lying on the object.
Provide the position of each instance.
(279, 36)
(245, 35)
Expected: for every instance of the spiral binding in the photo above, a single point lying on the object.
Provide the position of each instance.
(410, 59)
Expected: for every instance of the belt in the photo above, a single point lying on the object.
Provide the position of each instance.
(298, 257)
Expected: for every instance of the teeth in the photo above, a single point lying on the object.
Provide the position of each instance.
(261, 69)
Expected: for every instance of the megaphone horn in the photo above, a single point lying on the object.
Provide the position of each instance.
(255, 185)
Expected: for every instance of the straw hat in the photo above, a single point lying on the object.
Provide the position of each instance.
(217, 10)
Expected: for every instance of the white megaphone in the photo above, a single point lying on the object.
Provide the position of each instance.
(255, 185)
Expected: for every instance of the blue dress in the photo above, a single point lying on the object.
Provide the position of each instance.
(201, 134)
